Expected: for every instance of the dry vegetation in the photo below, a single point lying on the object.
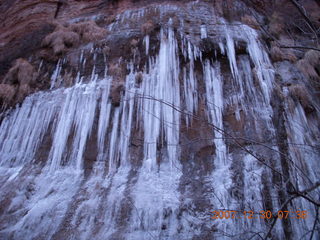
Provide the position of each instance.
(276, 26)
(60, 40)
(277, 54)
(88, 31)
(18, 82)
(139, 78)
(7, 93)
(67, 36)
(134, 43)
(23, 91)
(22, 72)
(147, 27)
(118, 72)
(313, 57)
(250, 21)
(308, 64)
(116, 93)
(299, 93)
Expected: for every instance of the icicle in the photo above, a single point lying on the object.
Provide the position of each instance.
(146, 41)
(19, 138)
(78, 110)
(222, 50)
(83, 122)
(160, 97)
(105, 108)
(203, 31)
(63, 129)
(232, 56)
(186, 92)
(40, 66)
(183, 45)
(247, 89)
(81, 56)
(252, 173)
(151, 116)
(214, 97)
(190, 84)
(56, 74)
(302, 142)
(264, 69)
(162, 91)
(221, 176)
(113, 153)
(127, 118)
(84, 63)
(236, 83)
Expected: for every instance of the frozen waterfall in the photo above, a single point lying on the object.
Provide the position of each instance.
(135, 189)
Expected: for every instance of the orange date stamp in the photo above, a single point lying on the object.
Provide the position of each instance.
(264, 214)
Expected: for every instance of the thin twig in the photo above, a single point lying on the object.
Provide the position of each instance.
(300, 47)
(314, 224)
(303, 12)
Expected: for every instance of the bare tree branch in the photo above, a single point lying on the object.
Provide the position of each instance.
(228, 135)
(305, 192)
(304, 15)
(300, 47)
(277, 42)
(314, 224)
(296, 195)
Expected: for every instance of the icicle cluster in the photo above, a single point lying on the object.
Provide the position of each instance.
(168, 95)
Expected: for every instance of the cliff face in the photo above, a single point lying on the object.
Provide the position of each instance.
(25, 25)
(137, 119)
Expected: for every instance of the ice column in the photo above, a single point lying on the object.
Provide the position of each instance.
(214, 95)
(104, 117)
(76, 117)
(161, 96)
(127, 104)
(190, 83)
(23, 129)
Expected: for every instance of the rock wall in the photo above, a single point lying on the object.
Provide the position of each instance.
(137, 119)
